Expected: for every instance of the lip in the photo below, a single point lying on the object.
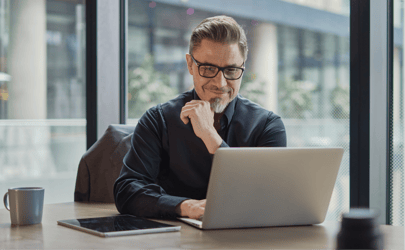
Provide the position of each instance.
(218, 92)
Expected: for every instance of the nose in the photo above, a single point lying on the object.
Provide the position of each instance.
(220, 80)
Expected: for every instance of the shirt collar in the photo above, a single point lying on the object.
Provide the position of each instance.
(229, 111)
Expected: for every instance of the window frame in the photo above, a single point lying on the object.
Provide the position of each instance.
(103, 61)
(371, 38)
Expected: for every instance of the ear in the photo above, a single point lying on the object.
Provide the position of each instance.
(189, 63)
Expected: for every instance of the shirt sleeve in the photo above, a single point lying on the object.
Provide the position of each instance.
(274, 134)
(223, 145)
(135, 190)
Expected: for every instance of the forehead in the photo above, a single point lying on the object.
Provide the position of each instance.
(220, 54)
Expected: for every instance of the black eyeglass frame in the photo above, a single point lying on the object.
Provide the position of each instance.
(219, 69)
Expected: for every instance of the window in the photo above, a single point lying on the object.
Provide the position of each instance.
(42, 95)
(305, 76)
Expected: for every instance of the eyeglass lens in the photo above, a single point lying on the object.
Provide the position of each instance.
(211, 71)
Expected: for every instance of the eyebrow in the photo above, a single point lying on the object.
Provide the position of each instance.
(231, 65)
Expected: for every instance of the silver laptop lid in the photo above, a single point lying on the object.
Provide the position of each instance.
(258, 187)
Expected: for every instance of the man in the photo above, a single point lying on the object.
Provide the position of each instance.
(166, 171)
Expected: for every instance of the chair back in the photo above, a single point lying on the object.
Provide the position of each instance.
(101, 165)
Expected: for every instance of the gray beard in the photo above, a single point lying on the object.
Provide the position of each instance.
(217, 106)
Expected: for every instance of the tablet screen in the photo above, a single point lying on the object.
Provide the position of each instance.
(117, 223)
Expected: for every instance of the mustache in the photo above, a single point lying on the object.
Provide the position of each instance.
(223, 90)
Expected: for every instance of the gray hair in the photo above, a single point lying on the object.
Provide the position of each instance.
(221, 29)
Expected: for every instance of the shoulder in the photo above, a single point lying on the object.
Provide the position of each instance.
(157, 116)
(177, 103)
(246, 109)
(267, 127)
(150, 119)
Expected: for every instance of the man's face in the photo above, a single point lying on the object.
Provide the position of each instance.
(218, 90)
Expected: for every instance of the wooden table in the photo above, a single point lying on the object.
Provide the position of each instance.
(50, 235)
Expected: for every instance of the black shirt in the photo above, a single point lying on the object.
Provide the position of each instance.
(168, 163)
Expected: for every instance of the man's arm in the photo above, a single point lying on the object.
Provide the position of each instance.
(135, 190)
(201, 116)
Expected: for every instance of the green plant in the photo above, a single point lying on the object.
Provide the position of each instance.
(147, 88)
(295, 98)
(253, 89)
(340, 100)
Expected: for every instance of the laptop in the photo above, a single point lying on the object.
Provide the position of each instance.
(263, 187)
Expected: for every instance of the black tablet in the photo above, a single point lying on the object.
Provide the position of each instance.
(118, 225)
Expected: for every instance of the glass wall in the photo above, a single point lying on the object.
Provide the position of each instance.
(397, 146)
(297, 67)
(42, 95)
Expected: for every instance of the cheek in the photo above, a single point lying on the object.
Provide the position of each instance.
(236, 88)
(196, 81)
(199, 83)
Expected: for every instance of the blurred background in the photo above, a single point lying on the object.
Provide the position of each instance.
(298, 67)
(42, 95)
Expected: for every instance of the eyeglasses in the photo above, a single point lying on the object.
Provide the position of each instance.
(211, 71)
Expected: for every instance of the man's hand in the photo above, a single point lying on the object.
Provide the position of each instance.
(201, 116)
(193, 209)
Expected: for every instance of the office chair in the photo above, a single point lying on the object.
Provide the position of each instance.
(101, 165)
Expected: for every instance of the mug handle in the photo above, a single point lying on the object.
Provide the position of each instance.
(5, 202)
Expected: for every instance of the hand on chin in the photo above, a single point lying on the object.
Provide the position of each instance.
(201, 116)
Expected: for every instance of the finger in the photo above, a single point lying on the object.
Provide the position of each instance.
(198, 103)
(188, 108)
(184, 118)
(188, 104)
(203, 203)
(199, 213)
(189, 113)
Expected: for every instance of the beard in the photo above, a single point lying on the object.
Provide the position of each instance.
(217, 105)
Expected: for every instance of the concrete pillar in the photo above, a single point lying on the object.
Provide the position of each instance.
(265, 61)
(27, 60)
